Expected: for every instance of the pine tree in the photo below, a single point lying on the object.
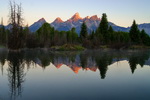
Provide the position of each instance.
(84, 32)
(103, 27)
(134, 33)
(145, 39)
(92, 35)
(110, 34)
(110, 30)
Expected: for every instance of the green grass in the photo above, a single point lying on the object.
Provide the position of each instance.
(104, 47)
(139, 47)
(68, 47)
(1, 46)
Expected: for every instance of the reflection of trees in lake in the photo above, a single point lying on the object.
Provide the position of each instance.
(3, 56)
(96, 59)
(138, 58)
(83, 60)
(86, 60)
(102, 63)
(15, 73)
(133, 63)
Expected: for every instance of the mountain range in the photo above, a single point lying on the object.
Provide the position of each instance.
(76, 21)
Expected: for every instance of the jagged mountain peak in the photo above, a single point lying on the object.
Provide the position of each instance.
(87, 17)
(76, 17)
(58, 20)
(34, 27)
(77, 14)
(95, 17)
(76, 21)
(41, 20)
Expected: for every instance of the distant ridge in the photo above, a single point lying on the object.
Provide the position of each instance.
(76, 21)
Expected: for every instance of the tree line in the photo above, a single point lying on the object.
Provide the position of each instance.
(46, 36)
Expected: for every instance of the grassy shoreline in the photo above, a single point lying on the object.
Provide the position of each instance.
(72, 47)
(68, 47)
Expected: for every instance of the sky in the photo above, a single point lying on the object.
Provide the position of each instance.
(120, 12)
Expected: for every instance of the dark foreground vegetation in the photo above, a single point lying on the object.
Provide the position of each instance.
(18, 37)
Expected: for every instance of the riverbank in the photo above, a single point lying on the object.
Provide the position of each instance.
(72, 47)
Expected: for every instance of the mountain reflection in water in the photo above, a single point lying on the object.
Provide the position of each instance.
(94, 60)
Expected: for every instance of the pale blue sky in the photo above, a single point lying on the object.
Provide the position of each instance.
(120, 12)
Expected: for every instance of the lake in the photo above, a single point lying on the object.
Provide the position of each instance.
(75, 75)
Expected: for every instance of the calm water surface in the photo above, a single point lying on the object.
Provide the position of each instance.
(87, 75)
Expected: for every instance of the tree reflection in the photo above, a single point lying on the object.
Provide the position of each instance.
(83, 60)
(102, 63)
(133, 63)
(86, 60)
(3, 56)
(138, 58)
(15, 73)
